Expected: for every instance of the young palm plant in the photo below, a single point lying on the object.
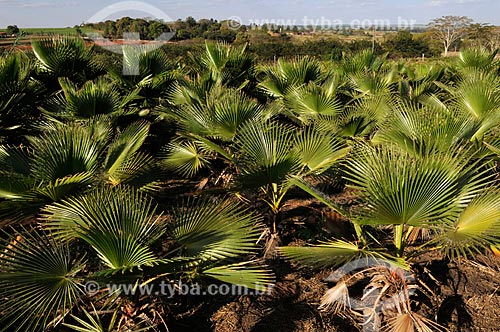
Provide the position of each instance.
(153, 78)
(99, 97)
(19, 94)
(448, 194)
(64, 56)
(224, 65)
(42, 280)
(68, 159)
(285, 75)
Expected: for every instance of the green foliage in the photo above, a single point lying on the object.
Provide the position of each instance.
(417, 142)
(12, 30)
(19, 94)
(118, 223)
(66, 159)
(405, 45)
(64, 57)
(38, 279)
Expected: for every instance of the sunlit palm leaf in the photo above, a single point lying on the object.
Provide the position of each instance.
(477, 58)
(287, 74)
(93, 323)
(38, 281)
(63, 56)
(93, 98)
(477, 227)
(417, 128)
(330, 254)
(319, 150)
(118, 223)
(412, 322)
(185, 158)
(215, 231)
(231, 112)
(310, 101)
(68, 150)
(221, 114)
(243, 274)
(265, 154)
(399, 188)
(122, 159)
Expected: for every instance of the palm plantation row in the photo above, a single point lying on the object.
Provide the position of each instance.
(88, 157)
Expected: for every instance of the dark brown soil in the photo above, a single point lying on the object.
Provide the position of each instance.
(465, 294)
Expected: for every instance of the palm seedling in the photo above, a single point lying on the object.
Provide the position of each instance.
(42, 280)
(448, 194)
(271, 155)
(208, 124)
(418, 81)
(416, 128)
(18, 94)
(286, 75)
(225, 65)
(99, 97)
(477, 59)
(263, 154)
(153, 76)
(68, 159)
(64, 56)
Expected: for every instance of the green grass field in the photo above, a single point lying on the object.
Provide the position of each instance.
(37, 33)
(51, 31)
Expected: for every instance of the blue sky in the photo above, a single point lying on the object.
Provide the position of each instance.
(61, 13)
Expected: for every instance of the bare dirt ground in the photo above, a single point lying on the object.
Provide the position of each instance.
(466, 294)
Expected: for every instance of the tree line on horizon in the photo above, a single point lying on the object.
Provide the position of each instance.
(448, 33)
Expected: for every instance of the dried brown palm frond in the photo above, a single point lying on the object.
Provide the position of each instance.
(411, 322)
(336, 299)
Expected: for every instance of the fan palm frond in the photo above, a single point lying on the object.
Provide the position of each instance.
(38, 280)
(399, 188)
(311, 101)
(124, 161)
(477, 58)
(290, 74)
(93, 98)
(215, 231)
(243, 274)
(185, 158)
(265, 154)
(319, 150)
(476, 227)
(19, 92)
(329, 254)
(416, 128)
(70, 149)
(64, 56)
(119, 223)
(93, 323)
